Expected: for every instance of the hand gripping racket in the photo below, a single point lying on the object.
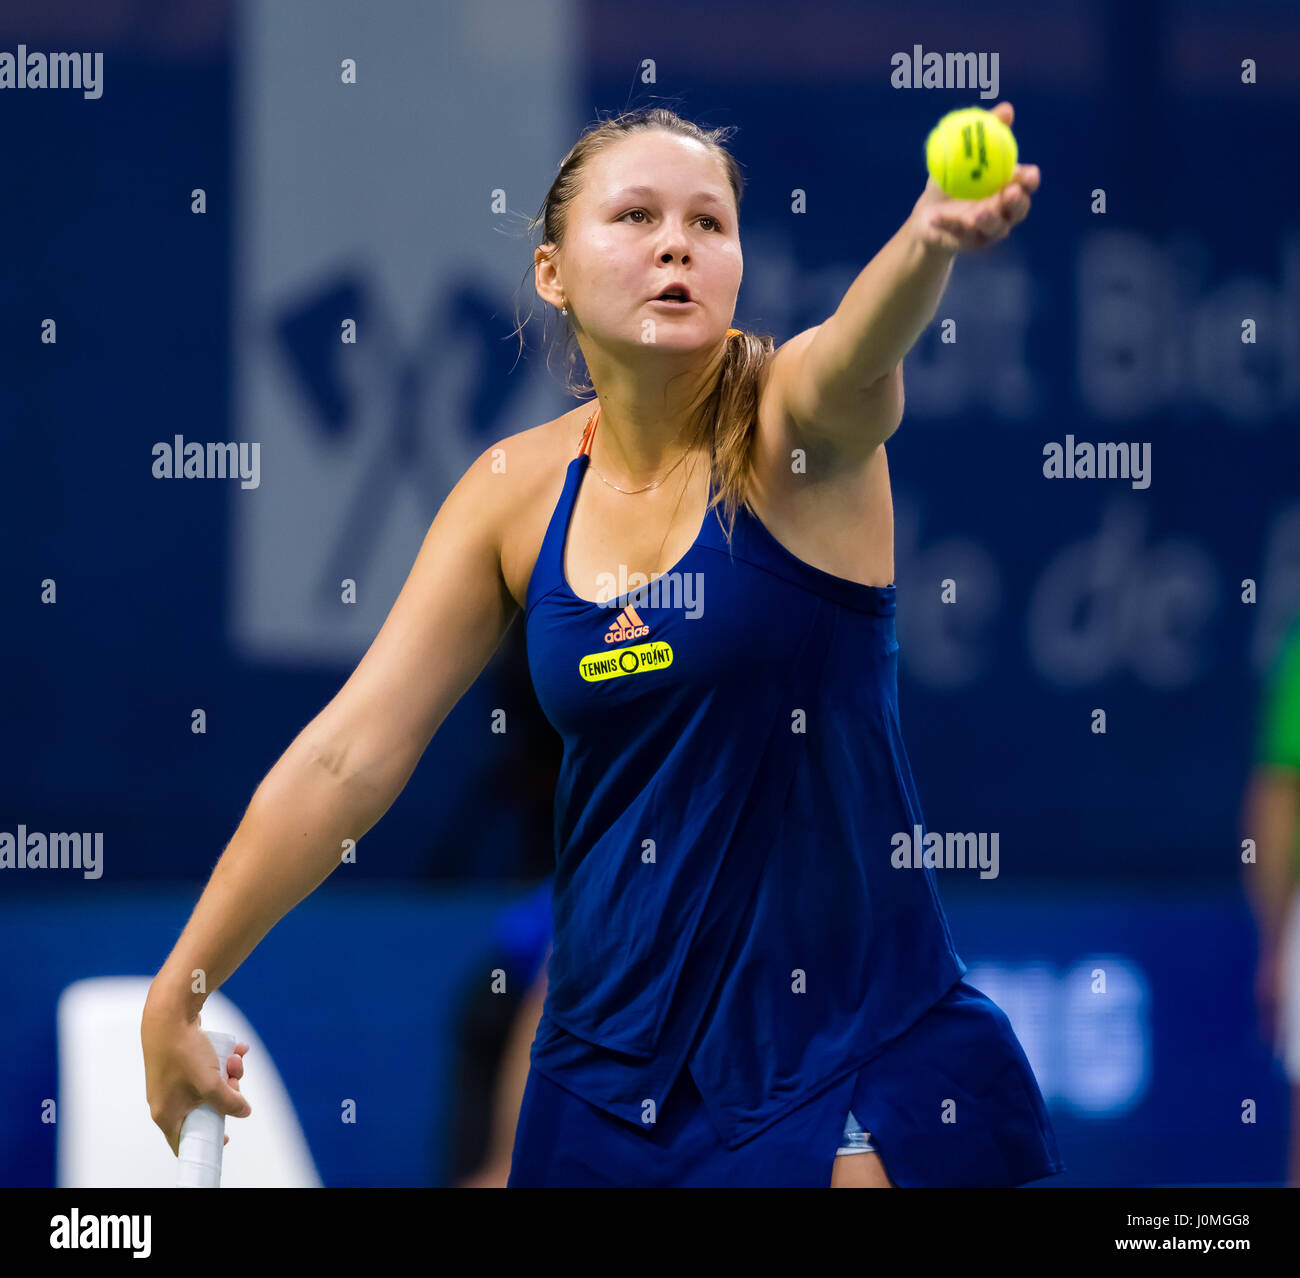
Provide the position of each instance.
(203, 1134)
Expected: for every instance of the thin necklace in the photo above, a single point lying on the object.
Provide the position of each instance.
(647, 487)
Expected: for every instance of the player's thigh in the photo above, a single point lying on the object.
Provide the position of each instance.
(859, 1171)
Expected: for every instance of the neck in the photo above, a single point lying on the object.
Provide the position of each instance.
(649, 416)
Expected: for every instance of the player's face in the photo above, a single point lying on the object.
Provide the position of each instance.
(655, 209)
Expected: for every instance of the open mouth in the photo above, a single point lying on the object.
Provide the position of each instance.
(674, 295)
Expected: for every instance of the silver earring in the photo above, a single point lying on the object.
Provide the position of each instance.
(564, 310)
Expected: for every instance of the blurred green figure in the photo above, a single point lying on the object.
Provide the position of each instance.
(1272, 819)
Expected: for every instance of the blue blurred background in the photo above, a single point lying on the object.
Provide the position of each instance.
(401, 201)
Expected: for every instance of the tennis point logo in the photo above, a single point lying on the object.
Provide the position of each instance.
(933, 70)
(38, 851)
(915, 850)
(25, 70)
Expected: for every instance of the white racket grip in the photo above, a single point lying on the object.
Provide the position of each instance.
(203, 1131)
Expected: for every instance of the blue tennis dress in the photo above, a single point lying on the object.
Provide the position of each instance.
(737, 962)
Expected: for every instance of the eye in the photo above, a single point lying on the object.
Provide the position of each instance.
(717, 226)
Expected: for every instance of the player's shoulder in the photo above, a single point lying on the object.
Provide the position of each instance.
(512, 488)
(516, 471)
(520, 478)
(553, 442)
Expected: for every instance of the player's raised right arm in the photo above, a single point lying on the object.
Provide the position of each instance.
(345, 768)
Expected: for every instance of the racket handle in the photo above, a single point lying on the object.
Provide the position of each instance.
(203, 1132)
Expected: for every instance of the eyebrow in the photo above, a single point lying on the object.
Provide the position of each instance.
(702, 197)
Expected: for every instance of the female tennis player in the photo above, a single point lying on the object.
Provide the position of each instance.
(744, 989)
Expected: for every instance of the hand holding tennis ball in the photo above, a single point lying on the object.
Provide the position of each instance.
(977, 191)
(971, 153)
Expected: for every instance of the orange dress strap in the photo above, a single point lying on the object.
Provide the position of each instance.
(588, 431)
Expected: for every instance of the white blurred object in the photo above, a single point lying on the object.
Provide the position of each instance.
(1288, 994)
(106, 1138)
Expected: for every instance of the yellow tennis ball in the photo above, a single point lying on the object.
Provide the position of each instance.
(971, 153)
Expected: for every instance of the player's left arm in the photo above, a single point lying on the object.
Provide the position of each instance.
(841, 383)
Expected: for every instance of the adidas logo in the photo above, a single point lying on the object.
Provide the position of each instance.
(627, 625)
